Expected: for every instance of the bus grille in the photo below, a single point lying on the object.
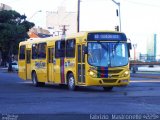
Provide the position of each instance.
(109, 80)
(110, 71)
(115, 71)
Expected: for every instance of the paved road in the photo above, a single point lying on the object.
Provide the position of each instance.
(142, 96)
(155, 75)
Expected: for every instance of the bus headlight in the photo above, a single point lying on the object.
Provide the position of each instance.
(91, 73)
(125, 74)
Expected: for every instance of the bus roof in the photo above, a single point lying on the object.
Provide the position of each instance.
(82, 34)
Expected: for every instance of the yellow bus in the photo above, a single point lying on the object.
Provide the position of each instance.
(96, 58)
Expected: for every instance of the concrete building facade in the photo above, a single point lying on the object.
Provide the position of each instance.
(38, 32)
(55, 21)
(4, 7)
(152, 48)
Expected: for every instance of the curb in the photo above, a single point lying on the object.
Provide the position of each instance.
(143, 76)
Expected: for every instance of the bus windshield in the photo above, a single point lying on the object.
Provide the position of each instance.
(107, 54)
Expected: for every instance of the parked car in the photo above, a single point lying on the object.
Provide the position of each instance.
(14, 65)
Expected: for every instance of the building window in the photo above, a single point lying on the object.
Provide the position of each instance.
(70, 48)
(22, 52)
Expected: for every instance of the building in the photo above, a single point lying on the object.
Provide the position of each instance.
(152, 48)
(38, 33)
(4, 7)
(55, 21)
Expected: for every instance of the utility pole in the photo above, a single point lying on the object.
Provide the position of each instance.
(64, 31)
(78, 16)
(118, 13)
(134, 46)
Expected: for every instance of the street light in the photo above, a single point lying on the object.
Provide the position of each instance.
(78, 16)
(118, 13)
(34, 14)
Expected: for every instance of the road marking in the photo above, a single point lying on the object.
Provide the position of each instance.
(145, 81)
(25, 82)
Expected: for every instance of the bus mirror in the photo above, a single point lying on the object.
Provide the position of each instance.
(129, 46)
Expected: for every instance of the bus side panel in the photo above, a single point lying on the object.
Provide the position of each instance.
(22, 69)
(40, 67)
(22, 62)
(70, 66)
(29, 72)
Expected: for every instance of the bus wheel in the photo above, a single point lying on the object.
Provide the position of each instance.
(108, 88)
(35, 81)
(71, 82)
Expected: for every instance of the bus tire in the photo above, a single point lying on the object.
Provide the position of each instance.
(108, 88)
(35, 81)
(71, 82)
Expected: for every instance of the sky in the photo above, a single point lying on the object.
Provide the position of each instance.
(140, 19)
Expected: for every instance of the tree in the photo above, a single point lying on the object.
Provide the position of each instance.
(13, 29)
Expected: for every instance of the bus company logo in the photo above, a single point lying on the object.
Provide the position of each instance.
(40, 64)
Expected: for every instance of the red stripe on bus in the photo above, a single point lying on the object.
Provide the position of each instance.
(62, 70)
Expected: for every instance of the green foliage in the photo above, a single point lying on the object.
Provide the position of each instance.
(13, 29)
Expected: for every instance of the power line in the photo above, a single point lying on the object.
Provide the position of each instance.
(62, 3)
(144, 4)
(11, 1)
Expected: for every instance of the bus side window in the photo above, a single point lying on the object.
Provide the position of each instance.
(42, 50)
(70, 48)
(60, 49)
(34, 51)
(22, 52)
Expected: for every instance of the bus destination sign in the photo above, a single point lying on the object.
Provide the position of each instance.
(106, 37)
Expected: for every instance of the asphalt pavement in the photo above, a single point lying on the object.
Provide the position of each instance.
(21, 98)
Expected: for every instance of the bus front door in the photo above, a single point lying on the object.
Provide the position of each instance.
(81, 64)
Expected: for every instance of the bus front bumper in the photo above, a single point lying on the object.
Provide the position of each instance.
(107, 81)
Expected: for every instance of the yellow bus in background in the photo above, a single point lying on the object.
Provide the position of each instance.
(98, 58)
